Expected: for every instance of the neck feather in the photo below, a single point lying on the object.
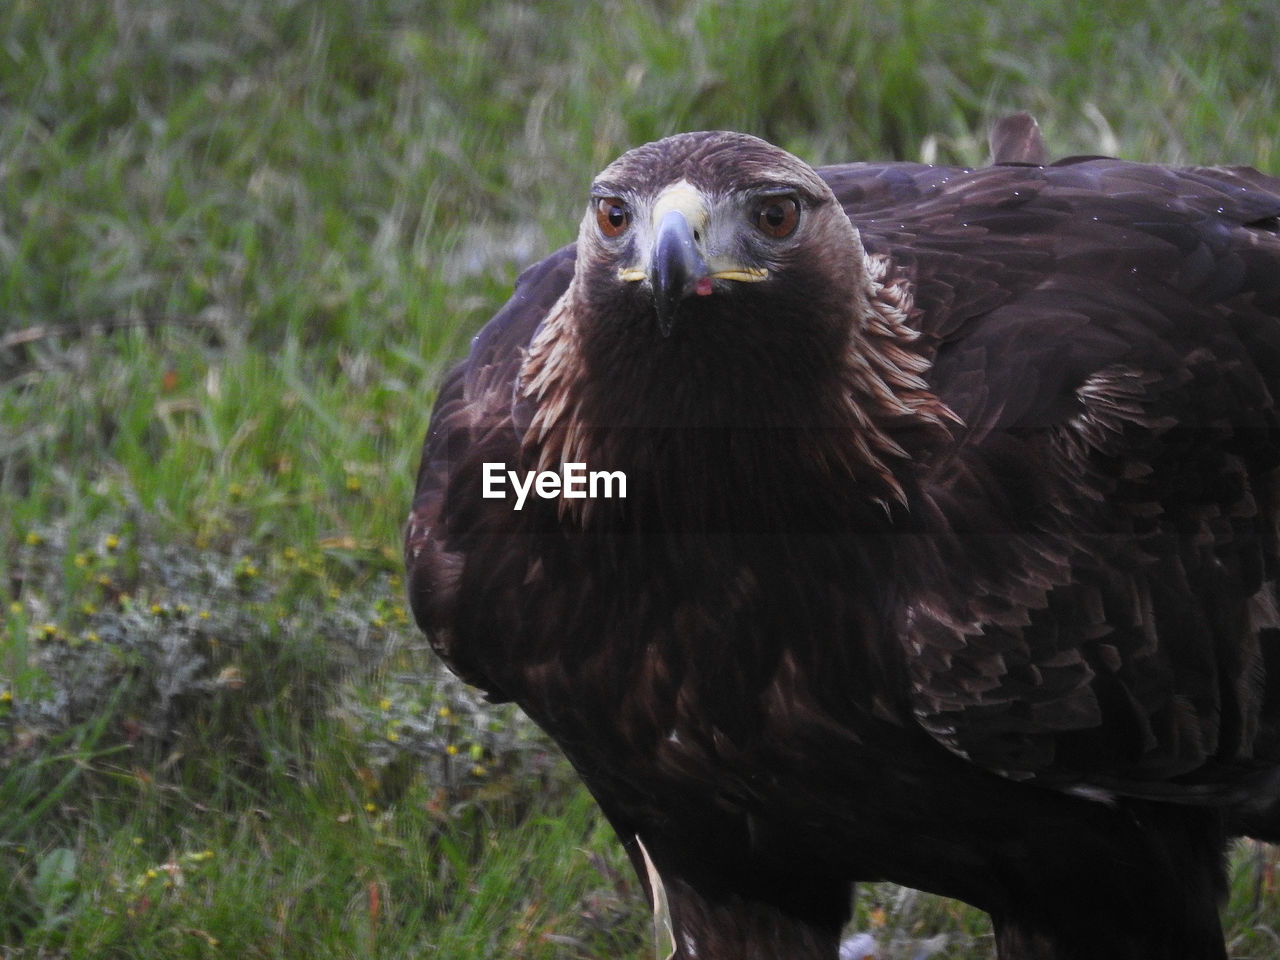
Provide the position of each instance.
(876, 396)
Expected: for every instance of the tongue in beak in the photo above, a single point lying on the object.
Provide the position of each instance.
(676, 269)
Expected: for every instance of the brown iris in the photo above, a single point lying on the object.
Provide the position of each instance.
(612, 215)
(777, 217)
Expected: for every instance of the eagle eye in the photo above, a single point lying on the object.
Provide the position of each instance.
(612, 215)
(778, 216)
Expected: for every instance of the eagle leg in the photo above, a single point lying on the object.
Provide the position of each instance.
(707, 912)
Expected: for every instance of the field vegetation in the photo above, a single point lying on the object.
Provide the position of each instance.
(239, 243)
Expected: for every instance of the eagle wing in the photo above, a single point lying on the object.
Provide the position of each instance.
(1087, 598)
(474, 420)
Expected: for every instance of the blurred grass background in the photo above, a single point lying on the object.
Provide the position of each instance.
(239, 243)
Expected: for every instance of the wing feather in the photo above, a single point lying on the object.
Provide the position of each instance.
(473, 421)
(1105, 521)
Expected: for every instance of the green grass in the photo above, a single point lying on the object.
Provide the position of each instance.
(239, 243)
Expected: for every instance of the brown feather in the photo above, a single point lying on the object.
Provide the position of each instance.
(948, 555)
(1016, 139)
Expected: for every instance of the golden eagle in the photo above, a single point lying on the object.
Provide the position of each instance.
(886, 521)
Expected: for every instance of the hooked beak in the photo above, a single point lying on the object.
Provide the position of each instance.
(676, 268)
(679, 264)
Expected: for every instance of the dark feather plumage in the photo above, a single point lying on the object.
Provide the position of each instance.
(1017, 139)
(949, 548)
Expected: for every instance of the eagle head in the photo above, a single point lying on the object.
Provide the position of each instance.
(676, 227)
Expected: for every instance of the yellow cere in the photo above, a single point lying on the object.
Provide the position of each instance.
(682, 197)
